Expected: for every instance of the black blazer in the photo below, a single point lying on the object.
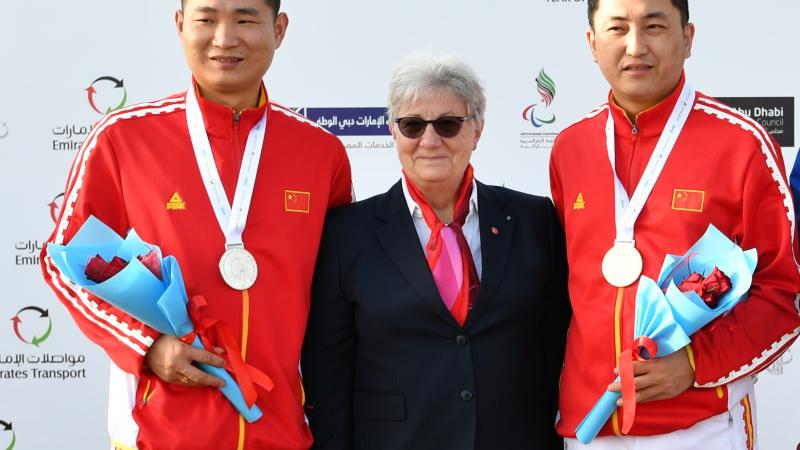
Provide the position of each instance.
(386, 366)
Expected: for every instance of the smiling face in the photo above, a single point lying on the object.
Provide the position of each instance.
(431, 161)
(229, 45)
(640, 46)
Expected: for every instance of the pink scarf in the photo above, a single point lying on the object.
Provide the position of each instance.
(448, 254)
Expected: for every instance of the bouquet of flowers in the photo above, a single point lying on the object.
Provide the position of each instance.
(132, 275)
(669, 311)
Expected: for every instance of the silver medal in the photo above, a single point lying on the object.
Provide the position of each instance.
(622, 264)
(238, 268)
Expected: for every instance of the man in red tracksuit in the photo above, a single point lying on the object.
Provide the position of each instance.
(721, 168)
(145, 167)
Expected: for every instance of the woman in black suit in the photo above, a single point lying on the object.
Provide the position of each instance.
(439, 308)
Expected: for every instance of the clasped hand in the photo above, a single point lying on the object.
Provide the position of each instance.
(172, 360)
(659, 378)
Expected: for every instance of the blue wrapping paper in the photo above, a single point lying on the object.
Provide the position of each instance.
(160, 304)
(669, 316)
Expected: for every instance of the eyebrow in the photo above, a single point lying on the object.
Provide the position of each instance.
(651, 15)
(239, 11)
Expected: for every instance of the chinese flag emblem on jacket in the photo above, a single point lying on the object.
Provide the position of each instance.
(297, 201)
(688, 200)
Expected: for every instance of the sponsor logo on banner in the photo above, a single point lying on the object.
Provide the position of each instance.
(69, 137)
(32, 325)
(42, 366)
(104, 95)
(540, 132)
(358, 128)
(107, 94)
(777, 367)
(776, 114)
(27, 252)
(8, 437)
(3, 129)
(55, 206)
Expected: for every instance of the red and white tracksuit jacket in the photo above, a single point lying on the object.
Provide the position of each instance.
(137, 170)
(724, 170)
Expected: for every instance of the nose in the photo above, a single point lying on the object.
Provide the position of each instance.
(635, 42)
(225, 36)
(430, 138)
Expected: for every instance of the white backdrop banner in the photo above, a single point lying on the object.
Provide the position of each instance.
(66, 64)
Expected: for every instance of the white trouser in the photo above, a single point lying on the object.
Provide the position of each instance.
(731, 430)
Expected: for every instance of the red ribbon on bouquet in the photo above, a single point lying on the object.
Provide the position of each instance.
(643, 349)
(246, 375)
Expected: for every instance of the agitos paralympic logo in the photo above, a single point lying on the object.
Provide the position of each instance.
(32, 325)
(547, 91)
(107, 94)
(7, 434)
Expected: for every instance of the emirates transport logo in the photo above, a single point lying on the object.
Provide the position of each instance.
(8, 437)
(55, 206)
(107, 94)
(32, 325)
(536, 113)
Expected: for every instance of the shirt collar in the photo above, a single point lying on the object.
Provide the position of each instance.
(650, 122)
(218, 119)
(416, 211)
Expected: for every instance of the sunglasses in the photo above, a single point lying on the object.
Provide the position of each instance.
(446, 126)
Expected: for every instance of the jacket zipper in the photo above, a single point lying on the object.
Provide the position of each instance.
(245, 294)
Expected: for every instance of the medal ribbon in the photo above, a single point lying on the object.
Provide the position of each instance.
(626, 211)
(231, 220)
(642, 349)
(246, 375)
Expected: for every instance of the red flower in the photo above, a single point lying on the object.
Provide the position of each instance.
(150, 261)
(694, 283)
(99, 270)
(710, 288)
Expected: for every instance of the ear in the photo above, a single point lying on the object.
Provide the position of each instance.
(281, 24)
(179, 21)
(688, 38)
(477, 136)
(590, 39)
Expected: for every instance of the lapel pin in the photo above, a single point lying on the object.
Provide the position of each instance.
(495, 231)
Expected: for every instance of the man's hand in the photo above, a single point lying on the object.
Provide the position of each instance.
(659, 378)
(171, 359)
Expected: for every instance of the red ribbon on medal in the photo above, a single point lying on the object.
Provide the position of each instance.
(246, 375)
(643, 349)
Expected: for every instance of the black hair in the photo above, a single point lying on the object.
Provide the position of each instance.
(682, 5)
(274, 4)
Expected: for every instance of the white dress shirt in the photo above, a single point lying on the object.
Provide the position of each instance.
(470, 228)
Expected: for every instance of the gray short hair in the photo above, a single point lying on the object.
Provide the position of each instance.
(423, 74)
